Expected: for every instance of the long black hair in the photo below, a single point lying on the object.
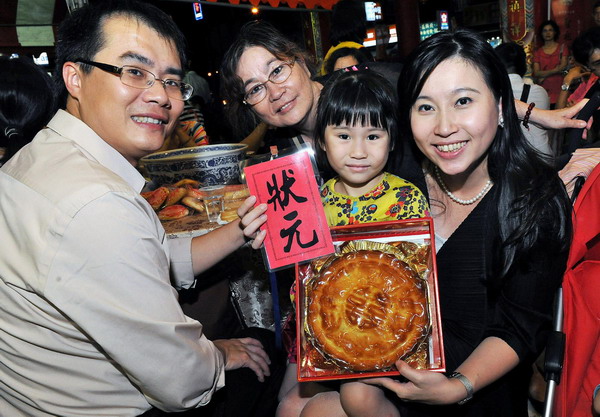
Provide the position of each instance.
(355, 98)
(532, 200)
(26, 102)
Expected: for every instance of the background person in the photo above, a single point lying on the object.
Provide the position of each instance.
(586, 50)
(550, 60)
(346, 57)
(513, 57)
(90, 323)
(348, 28)
(580, 77)
(201, 95)
(502, 222)
(26, 103)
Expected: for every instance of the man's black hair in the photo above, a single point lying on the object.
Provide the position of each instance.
(81, 35)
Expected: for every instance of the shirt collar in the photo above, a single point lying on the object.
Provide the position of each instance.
(516, 79)
(69, 126)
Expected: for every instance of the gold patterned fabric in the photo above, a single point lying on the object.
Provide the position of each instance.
(392, 199)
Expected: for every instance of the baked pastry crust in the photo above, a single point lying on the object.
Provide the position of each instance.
(367, 309)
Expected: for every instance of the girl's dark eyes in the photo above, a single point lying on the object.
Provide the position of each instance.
(344, 136)
(372, 137)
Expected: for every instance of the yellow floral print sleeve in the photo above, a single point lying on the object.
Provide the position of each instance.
(392, 199)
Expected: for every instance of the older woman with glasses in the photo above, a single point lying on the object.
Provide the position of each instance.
(268, 78)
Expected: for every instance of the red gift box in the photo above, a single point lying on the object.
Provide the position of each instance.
(415, 234)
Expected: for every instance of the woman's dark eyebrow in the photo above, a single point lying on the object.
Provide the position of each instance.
(455, 91)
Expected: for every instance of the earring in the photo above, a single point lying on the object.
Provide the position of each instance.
(501, 121)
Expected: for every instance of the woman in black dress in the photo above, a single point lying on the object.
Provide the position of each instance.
(502, 222)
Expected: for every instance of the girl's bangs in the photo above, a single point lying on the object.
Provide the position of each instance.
(365, 110)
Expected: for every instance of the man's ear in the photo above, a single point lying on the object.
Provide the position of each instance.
(72, 77)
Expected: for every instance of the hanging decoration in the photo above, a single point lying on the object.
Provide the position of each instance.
(519, 26)
(309, 4)
(517, 19)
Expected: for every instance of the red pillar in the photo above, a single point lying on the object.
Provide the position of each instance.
(540, 12)
(407, 25)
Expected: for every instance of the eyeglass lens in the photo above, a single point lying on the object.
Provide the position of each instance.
(140, 78)
(258, 92)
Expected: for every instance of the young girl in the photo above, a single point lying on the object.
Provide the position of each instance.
(356, 129)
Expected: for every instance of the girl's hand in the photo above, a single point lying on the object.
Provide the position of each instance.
(252, 219)
(423, 386)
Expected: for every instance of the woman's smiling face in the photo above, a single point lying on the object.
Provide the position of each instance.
(288, 104)
(455, 117)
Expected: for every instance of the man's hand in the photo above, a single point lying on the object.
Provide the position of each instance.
(252, 219)
(245, 353)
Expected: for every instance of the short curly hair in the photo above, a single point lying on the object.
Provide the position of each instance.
(554, 26)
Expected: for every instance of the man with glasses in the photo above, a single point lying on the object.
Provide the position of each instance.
(90, 324)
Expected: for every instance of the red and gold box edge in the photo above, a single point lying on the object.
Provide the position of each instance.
(366, 231)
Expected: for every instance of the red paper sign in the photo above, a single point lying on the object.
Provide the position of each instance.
(517, 19)
(296, 225)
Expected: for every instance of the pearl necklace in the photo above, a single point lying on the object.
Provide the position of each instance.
(481, 193)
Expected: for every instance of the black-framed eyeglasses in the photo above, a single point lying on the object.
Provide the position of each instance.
(140, 78)
(255, 93)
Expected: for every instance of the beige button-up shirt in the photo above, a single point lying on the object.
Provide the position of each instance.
(89, 319)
